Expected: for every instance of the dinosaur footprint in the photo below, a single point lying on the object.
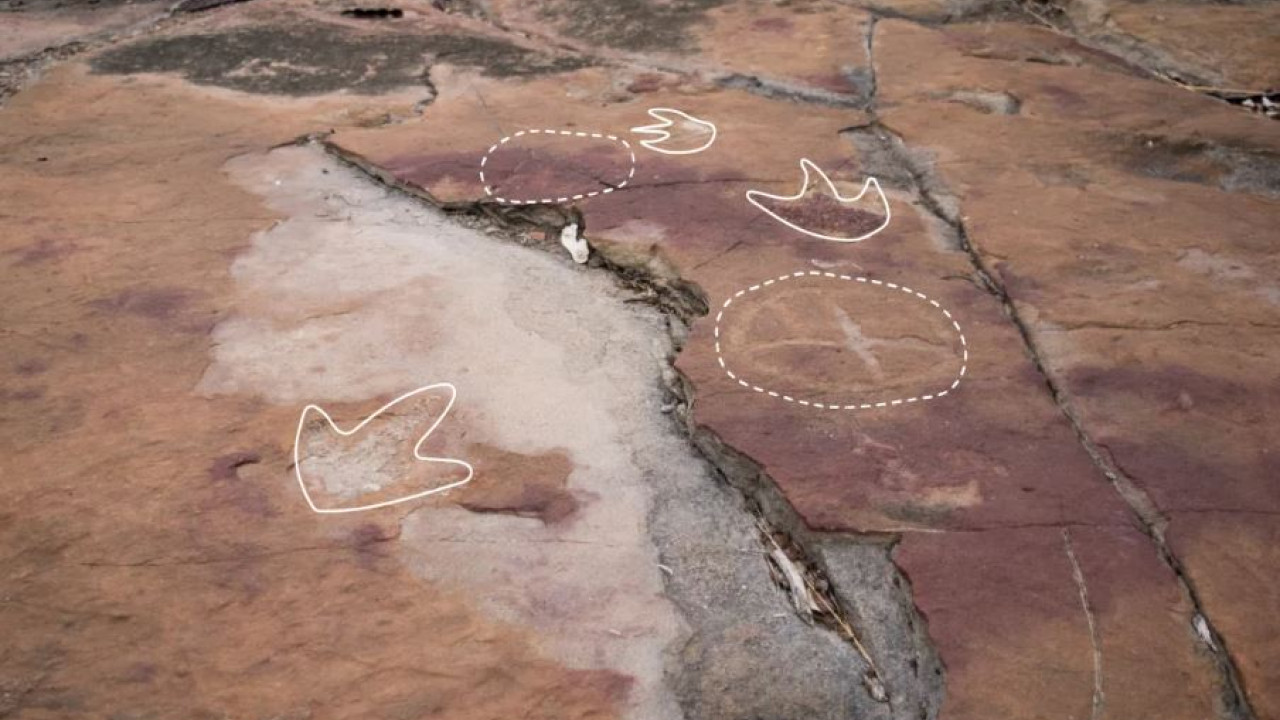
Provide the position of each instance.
(372, 459)
(819, 210)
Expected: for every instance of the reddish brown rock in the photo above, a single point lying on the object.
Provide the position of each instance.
(1125, 219)
(812, 48)
(994, 452)
(524, 485)
(745, 38)
(694, 210)
(157, 558)
(1181, 38)
(1141, 274)
(1233, 556)
(1041, 621)
(35, 26)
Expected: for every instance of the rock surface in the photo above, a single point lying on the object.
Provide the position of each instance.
(1020, 441)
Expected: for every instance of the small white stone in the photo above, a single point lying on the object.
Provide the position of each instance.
(1202, 629)
(577, 247)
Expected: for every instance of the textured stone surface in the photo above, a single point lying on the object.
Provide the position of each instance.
(734, 41)
(1183, 39)
(424, 301)
(1233, 559)
(1082, 527)
(32, 27)
(692, 212)
(979, 460)
(314, 59)
(270, 280)
(1161, 333)
(158, 562)
(1045, 622)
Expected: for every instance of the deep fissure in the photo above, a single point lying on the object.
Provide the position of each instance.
(682, 302)
(924, 185)
(1153, 523)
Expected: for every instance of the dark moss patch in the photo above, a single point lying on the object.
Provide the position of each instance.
(202, 5)
(155, 304)
(630, 24)
(1194, 161)
(521, 485)
(373, 13)
(226, 467)
(44, 250)
(318, 59)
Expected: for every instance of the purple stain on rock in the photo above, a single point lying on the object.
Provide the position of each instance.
(371, 533)
(141, 672)
(25, 394)
(31, 367)
(777, 25)
(233, 490)
(44, 250)
(152, 303)
(226, 466)
(366, 541)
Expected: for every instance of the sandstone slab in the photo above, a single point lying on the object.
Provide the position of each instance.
(1046, 384)
(1116, 255)
(995, 453)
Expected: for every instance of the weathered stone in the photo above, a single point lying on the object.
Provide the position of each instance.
(977, 460)
(830, 51)
(1233, 556)
(314, 59)
(1046, 622)
(621, 24)
(540, 492)
(39, 26)
(1079, 527)
(1146, 289)
(735, 42)
(159, 562)
(694, 209)
(1231, 46)
(327, 290)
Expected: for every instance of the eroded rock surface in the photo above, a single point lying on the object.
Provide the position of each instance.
(362, 292)
(1076, 521)
(314, 59)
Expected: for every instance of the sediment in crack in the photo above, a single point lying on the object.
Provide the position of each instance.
(870, 606)
(869, 49)
(778, 90)
(884, 154)
(872, 593)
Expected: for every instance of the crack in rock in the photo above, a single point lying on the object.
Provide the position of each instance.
(914, 681)
(659, 572)
(884, 152)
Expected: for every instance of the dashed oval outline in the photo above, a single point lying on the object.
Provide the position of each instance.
(567, 198)
(964, 344)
